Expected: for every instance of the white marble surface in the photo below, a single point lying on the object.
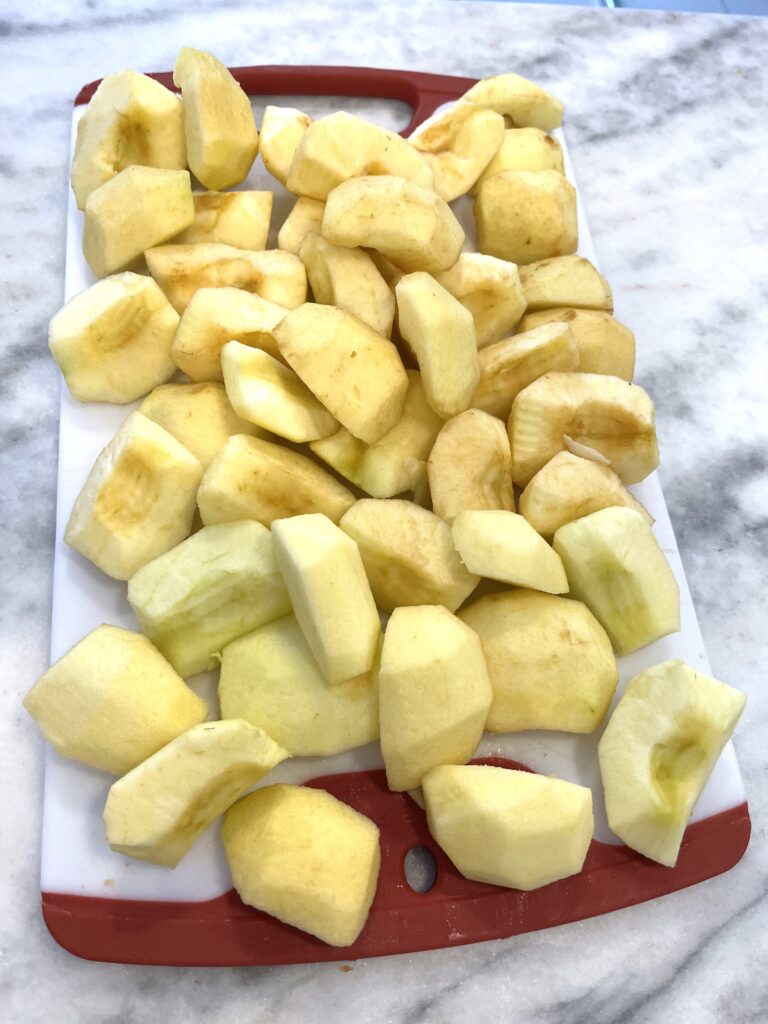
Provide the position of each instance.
(666, 124)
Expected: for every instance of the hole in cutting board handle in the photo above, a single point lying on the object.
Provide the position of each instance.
(420, 869)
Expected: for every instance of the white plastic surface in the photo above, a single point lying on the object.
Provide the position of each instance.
(75, 856)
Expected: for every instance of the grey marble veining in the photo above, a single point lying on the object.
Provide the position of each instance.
(667, 123)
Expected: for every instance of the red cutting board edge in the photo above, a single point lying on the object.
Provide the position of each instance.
(224, 932)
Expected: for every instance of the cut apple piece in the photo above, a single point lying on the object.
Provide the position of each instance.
(503, 546)
(441, 333)
(458, 146)
(269, 394)
(526, 104)
(138, 501)
(113, 341)
(305, 218)
(510, 365)
(549, 660)
(304, 857)
(270, 678)
(329, 590)
(434, 694)
(658, 750)
(525, 216)
(506, 827)
(411, 226)
(524, 149)
(604, 345)
(130, 119)
(112, 700)
(137, 209)
(157, 811)
(570, 487)
(212, 588)
(282, 129)
(348, 278)
(470, 466)
(222, 140)
(607, 414)
(254, 479)
(397, 462)
(565, 281)
(181, 270)
(408, 554)
(491, 291)
(240, 219)
(356, 373)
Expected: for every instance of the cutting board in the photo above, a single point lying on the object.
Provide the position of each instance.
(103, 906)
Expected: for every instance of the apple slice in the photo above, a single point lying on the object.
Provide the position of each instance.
(271, 679)
(565, 281)
(324, 573)
(282, 129)
(616, 567)
(508, 827)
(458, 146)
(157, 811)
(212, 588)
(603, 344)
(304, 857)
(112, 700)
(269, 394)
(659, 749)
(306, 217)
(434, 694)
(222, 140)
(524, 149)
(491, 291)
(240, 219)
(526, 104)
(254, 479)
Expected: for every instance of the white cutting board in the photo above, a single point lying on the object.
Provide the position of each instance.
(75, 856)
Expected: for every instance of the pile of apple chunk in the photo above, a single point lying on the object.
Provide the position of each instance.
(399, 378)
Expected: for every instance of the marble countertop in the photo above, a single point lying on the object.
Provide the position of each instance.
(666, 123)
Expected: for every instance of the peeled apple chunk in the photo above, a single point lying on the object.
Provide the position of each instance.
(112, 700)
(525, 216)
(181, 270)
(304, 857)
(603, 344)
(507, 827)
(565, 281)
(441, 333)
(490, 289)
(282, 129)
(470, 466)
(130, 119)
(525, 103)
(510, 365)
(503, 546)
(222, 140)
(408, 554)
(198, 415)
(232, 218)
(330, 593)
(348, 278)
(549, 660)
(341, 146)
(458, 146)
(113, 341)
(569, 487)
(606, 414)
(271, 679)
(658, 750)
(255, 479)
(409, 225)
(434, 694)
(138, 501)
(525, 149)
(268, 393)
(356, 373)
(397, 462)
(139, 208)
(306, 217)
(157, 811)
(616, 567)
(215, 586)
(215, 316)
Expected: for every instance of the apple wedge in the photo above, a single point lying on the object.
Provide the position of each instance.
(526, 104)
(659, 749)
(305, 218)
(325, 577)
(434, 694)
(112, 700)
(240, 219)
(282, 129)
(565, 281)
(524, 149)
(603, 344)
(491, 291)
(458, 146)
